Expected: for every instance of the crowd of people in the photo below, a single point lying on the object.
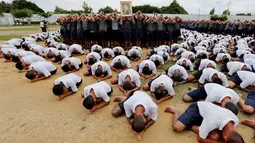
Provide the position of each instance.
(241, 28)
(111, 30)
(219, 63)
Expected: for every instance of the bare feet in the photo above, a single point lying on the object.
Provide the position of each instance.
(249, 123)
(171, 109)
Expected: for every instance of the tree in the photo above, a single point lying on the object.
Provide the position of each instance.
(146, 9)
(226, 12)
(173, 8)
(86, 8)
(220, 18)
(46, 14)
(212, 11)
(22, 13)
(5, 7)
(248, 14)
(107, 9)
(23, 4)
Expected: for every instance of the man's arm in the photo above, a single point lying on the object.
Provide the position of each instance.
(149, 76)
(104, 78)
(120, 87)
(74, 70)
(100, 105)
(137, 88)
(65, 95)
(95, 77)
(164, 99)
(129, 121)
(150, 122)
(39, 78)
(199, 139)
(182, 82)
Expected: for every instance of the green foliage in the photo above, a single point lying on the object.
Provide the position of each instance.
(107, 9)
(173, 8)
(23, 4)
(146, 9)
(59, 10)
(253, 20)
(46, 14)
(212, 11)
(86, 8)
(220, 18)
(22, 13)
(226, 12)
(245, 14)
(5, 7)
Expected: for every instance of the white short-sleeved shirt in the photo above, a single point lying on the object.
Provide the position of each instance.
(137, 52)
(214, 117)
(63, 53)
(151, 64)
(247, 77)
(218, 50)
(137, 48)
(216, 93)
(7, 46)
(186, 54)
(241, 52)
(37, 48)
(162, 54)
(199, 52)
(200, 48)
(77, 47)
(175, 47)
(95, 55)
(236, 66)
(141, 98)
(168, 49)
(179, 51)
(43, 67)
(209, 72)
(160, 48)
(220, 56)
(32, 59)
(123, 59)
(105, 67)
(62, 46)
(182, 71)
(94, 47)
(157, 57)
(73, 61)
(204, 64)
(134, 75)
(166, 81)
(120, 50)
(110, 52)
(70, 80)
(100, 89)
(188, 62)
(10, 50)
(14, 41)
(23, 53)
(53, 50)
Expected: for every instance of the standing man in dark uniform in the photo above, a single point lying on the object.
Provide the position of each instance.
(150, 31)
(103, 29)
(115, 29)
(73, 30)
(139, 18)
(86, 31)
(93, 25)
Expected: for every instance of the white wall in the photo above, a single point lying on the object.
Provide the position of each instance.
(7, 19)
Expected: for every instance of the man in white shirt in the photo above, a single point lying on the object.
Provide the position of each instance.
(164, 55)
(50, 53)
(76, 49)
(120, 63)
(71, 64)
(118, 51)
(158, 60)
(100, 71)
(233, 67)
(62, 46)
(26, 61)
(244, 80)
(92, 58)
(211, 75)
(134, 54)
(178, 74)
(60, 55)
(6, 47)
(40, 70)
(21, 53)
(202, 54)
(8, 53)
(128, 81)
(66, 85)
(147, 69)
(188, 55)
(107, 54)
(96, 48)
(96, 96)
(161, 88)
(206, 120)
(223, 58)
(248, 106)
(186, 63)
(140, 110)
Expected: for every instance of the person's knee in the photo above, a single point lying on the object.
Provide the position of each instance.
(146, 87)
(114, 81)
(187, 98)
(86, 74)
(231, 84)
(178, 128)
(248, 109)
(116, 111)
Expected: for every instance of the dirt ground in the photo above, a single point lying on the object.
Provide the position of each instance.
(29, 112)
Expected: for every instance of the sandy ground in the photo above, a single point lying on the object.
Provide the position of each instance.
(29, 112)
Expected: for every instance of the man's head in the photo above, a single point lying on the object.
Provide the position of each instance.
(31, 74)
(92, 61)
(165, 57)
(117, 65)
(7, 56)
(134, 56)
(57, 58)
(127, 85)
(58, 89)
(146, 70)
(203, 56)
(232, 107)
(65, 68)
(216, 79)
(159, 92)
(233, 137)
(99, 72)
(225, 59)
(19, 65)
(138, 124)
(177, 76)
(184, 63)
(210, 65)
(245, 68)
(15, 59)
(106, 55)
(157, 62)
(89, 102)
(116, 53)
(50, 55)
